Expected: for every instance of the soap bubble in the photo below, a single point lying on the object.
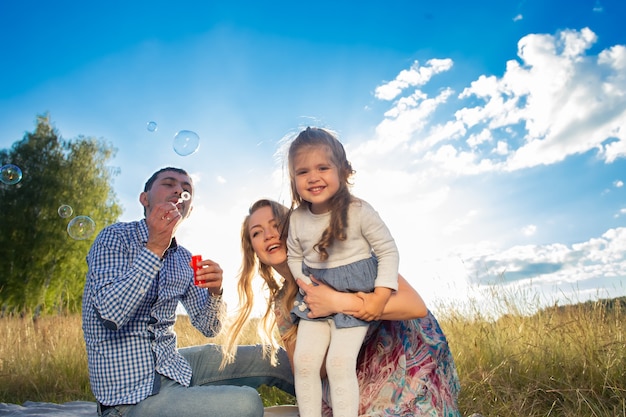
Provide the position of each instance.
(152, 126)
(186, 142)
(81, 227)
(10, 174)
(65, 211)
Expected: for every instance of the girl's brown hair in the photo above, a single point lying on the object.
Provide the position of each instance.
(340, 202)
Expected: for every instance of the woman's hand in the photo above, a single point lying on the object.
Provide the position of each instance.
(323, 300)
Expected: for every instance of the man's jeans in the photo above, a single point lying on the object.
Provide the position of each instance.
(213, 393)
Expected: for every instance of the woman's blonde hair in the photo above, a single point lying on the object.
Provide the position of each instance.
(314, 137)
(279, 296)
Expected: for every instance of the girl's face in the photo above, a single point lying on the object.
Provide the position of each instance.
(316, 177)
(265, 237)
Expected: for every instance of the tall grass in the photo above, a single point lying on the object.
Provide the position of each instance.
(561, 361)
(45, 359)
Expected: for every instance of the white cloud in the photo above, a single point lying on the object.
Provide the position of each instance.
(196, 177)
(597, 258)
(502, 148)
(554, 102)
(477, 139)
(548, 274)
(459, 223)
(414, 76)
(529, 230)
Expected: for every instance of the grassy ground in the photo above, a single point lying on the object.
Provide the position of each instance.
(558, 362)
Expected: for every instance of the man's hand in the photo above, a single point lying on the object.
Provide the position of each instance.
(162, 221)
(209, 276)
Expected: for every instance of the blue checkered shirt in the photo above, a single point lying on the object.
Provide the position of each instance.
(129, 309)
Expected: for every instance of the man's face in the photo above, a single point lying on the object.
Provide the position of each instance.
(169, 186)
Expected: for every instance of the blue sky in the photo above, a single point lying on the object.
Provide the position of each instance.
(490, 135)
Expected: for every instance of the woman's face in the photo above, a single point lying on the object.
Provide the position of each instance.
(265, 237)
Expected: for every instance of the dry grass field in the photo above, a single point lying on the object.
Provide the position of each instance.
(562, 361)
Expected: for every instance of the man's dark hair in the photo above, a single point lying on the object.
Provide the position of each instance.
(154, 176)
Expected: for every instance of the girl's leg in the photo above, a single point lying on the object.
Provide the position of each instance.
(343, 351)
(311, 345)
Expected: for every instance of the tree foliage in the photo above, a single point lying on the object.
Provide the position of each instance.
(42, 268)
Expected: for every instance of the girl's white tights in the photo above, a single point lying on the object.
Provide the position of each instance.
(319, 339)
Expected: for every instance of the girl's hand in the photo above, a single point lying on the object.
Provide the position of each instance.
(362, 313)
(373, 304)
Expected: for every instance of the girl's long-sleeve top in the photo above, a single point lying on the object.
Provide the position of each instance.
(366, 233)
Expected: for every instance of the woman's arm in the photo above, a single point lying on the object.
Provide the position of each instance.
(404, 304)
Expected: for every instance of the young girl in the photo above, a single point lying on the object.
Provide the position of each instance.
(341, 241)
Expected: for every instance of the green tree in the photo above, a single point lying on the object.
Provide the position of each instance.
(42, 268)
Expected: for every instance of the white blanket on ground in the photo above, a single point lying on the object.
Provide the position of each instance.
(88, 409)
(34, 409)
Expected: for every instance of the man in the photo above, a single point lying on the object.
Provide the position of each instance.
(137, 275)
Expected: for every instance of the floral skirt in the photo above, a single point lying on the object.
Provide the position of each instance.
(405, 368)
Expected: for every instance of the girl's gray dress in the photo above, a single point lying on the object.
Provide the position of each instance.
(354, 277)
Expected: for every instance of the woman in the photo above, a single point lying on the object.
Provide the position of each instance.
(405, 367)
